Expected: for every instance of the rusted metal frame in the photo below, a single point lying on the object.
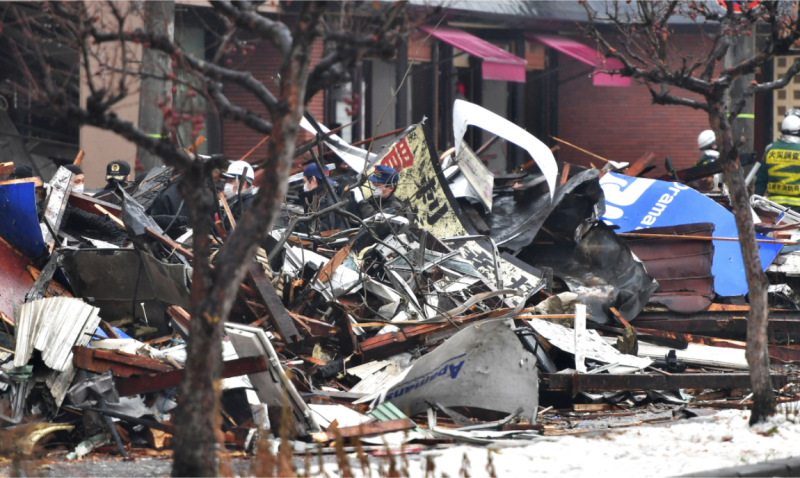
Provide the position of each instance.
(780, 353)
(600, 382)
(723, 324)
(159, 381)
(278, 315)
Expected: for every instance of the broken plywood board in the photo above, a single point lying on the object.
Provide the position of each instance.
(593, 346)
(55, 204)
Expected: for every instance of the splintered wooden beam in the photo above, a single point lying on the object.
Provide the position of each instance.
(6, 168)
(78, 159)
(121, 364)
(108, 213)
(641, 164)
(366, 429)
(86, 204)
(37, 182)
(278, 315)
(169, 243)
(227, 208)
(152, 382)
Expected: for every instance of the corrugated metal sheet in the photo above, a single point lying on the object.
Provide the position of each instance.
(53, 326)
(681, 267)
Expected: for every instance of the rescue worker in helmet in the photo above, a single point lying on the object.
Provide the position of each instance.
(779, 175)
(707, 144)
(315, 197)
(238, 189)
(383, 183)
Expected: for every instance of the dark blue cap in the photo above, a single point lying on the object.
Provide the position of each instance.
(313, 171)
(384, 175)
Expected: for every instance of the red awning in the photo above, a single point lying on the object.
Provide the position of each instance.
(498, 64)
(588, 55)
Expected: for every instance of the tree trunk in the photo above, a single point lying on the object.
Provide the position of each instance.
(213, 293)
(756, 352)
(195, 440)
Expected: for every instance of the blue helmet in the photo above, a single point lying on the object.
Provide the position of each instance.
(384, 175)
(313, 171)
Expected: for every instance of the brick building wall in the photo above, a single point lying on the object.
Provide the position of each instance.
(264, 63)
(622, 124)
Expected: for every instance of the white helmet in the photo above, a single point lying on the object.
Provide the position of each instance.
(791, 125)
(706, 139)
(238, 169)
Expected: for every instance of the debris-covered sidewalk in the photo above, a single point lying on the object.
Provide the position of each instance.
(405, 300)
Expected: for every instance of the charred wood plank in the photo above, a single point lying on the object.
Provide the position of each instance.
(87, 204)
(278, 315)
(121, 364)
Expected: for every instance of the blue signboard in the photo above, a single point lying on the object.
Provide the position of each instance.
(640, 203)
(19, 223)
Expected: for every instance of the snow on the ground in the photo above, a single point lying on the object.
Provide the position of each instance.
(681, 447)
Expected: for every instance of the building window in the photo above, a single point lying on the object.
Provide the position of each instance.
(781, 94)
(781, 110)
(782, 62)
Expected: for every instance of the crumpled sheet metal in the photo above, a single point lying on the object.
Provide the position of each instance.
(600, 269)
(484, 365)
(681, 267)
(514, 224)
(111, 275)
(633, 203)
(135, 218)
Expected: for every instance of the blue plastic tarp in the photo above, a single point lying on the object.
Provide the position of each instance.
(19, 222)
(101, 333)
(640, 203)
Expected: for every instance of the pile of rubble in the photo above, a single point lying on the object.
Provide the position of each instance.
(494, 308)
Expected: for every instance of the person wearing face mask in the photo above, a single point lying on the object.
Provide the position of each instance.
(315, 197)
(77, 178)
(238, 189)
(383, 182)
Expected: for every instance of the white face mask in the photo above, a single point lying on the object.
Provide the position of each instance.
(78, 189)
(307, 187)
(376, 191)
(230, 189)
